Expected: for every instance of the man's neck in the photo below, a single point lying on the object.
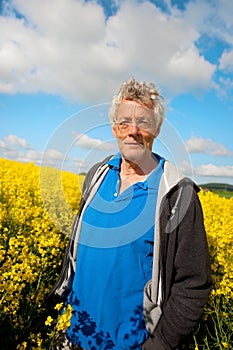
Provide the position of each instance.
(142, 167)
(132, 172)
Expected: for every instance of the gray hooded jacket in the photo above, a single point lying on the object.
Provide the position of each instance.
(178, 290)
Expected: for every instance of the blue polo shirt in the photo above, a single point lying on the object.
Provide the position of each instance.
(115, 255)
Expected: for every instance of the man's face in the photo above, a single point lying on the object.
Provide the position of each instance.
(134, 130)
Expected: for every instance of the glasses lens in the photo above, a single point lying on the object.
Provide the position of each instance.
(142, 124)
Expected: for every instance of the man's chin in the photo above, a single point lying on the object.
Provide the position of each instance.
(134, 156)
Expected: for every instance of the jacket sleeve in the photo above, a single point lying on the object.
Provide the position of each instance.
(187, 275)
(62, 287)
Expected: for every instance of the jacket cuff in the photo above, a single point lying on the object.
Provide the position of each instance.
(153, 343)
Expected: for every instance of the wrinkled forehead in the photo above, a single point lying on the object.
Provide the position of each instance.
(128, 108)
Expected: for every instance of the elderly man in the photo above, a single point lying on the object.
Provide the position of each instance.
(137, 271)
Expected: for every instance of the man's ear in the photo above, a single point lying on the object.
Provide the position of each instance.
(114, 132)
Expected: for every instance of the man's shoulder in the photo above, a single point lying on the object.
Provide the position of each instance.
(92, 171)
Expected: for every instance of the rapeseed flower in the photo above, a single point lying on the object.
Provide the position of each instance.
(31, 247)
(37, 207)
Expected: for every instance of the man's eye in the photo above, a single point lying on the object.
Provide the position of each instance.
(144, 124)
(124, 122)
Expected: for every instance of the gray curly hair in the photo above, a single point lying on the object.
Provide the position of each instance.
(144, 92)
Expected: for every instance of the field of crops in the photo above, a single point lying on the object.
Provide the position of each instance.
(32, 247)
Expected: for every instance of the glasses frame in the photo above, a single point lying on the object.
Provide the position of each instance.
(143, 124)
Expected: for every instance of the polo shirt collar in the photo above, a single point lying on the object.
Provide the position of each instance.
(115, 162)
(150, 182)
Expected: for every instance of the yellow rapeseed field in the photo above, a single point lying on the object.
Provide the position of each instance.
(37, 206)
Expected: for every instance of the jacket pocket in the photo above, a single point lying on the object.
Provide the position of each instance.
(152, 311)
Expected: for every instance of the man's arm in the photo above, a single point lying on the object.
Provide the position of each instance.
(191, 279)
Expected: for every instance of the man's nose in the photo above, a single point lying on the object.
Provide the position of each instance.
(134, 129)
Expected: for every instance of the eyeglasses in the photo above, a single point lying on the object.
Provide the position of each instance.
(124, 125)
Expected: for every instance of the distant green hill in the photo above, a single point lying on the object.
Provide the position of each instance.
(218, 186)
(225, 190)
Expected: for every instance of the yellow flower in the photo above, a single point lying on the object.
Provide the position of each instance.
(225, 345)
(64, 318)
(58, 306)
(34, 231)
(48, 321)
(22, 346)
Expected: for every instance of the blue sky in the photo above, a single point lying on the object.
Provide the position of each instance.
(61, 61)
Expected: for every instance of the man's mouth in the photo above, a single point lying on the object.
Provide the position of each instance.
(133, 144)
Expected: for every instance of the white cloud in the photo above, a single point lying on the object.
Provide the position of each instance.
(210, 170)
(11, 153)
(80, 165)
(87, 142)
(208, 146)
(186, 168)
(17, 148)
(3, 145)
(225, 86)
(50, 158)
(26, 157)
(226, 61)
(17, 141)
(214, 170)
(14, 147)
(53, 155)
(72, 50)
(220, 22)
